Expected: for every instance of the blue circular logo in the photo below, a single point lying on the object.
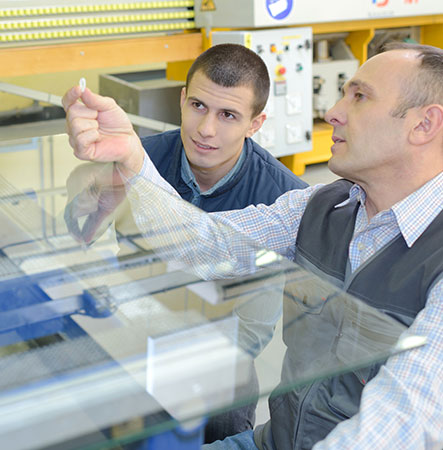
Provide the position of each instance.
(279, 9)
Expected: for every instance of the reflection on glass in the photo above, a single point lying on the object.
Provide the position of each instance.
(129, 306)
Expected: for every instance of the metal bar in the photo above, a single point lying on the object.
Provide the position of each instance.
(34, 314)
(56, 100)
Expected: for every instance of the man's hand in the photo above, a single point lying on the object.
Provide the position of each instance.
(94, 193)
(99, 130)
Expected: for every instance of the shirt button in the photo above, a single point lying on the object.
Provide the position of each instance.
(361, 247)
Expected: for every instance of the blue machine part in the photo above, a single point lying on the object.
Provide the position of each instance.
(27, 312)
(176, 439)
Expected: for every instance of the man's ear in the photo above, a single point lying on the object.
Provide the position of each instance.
(256, 124)
(429, 124)
(182, 96)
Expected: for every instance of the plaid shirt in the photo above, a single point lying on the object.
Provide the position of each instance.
(402, 407)
(403, 404)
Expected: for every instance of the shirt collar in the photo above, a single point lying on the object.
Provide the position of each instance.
(355, 193)
(415, 212)
(189, 178)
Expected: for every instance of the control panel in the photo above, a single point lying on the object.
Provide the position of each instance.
(287, 54)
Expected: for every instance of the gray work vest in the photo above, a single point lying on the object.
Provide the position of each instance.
(396, 280)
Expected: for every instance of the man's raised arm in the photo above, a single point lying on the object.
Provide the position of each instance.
(100, 131)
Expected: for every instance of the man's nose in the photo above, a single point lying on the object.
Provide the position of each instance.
(337, 114)
(207, 125)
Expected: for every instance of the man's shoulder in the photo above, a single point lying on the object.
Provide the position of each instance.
(164, 150)
(266, 166)
(153, 143)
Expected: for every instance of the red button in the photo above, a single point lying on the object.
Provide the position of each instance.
(282, 70)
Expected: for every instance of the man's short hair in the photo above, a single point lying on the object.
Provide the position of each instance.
(233, 65)
(425, 85)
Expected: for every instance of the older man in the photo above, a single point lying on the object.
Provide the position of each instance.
(377, 233)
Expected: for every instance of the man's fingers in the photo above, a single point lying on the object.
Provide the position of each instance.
(80, 119)
(81, 110)
(92, 101)
(87, 202)
(71, 97)
(97, 102)
(92, 224)
(80, 125)
(84, 144)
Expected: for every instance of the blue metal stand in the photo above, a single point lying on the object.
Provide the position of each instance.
(176, 439)
(27, 312)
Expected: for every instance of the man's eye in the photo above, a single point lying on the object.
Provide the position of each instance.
(359, 96)
(197, 105)
(228, 115)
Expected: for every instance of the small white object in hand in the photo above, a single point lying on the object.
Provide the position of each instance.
(82, 84)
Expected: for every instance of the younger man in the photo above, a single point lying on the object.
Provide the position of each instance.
(212, 161)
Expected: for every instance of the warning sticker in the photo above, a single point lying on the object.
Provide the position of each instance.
(207, 5)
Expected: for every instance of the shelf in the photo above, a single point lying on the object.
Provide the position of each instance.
(32, 60)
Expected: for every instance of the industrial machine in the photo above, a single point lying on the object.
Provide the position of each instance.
(52, 21)
(287, 54)
(333, 65)
(276, 13)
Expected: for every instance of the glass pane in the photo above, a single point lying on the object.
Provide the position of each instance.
(125, 310)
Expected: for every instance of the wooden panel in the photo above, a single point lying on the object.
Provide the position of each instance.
(17, 61)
